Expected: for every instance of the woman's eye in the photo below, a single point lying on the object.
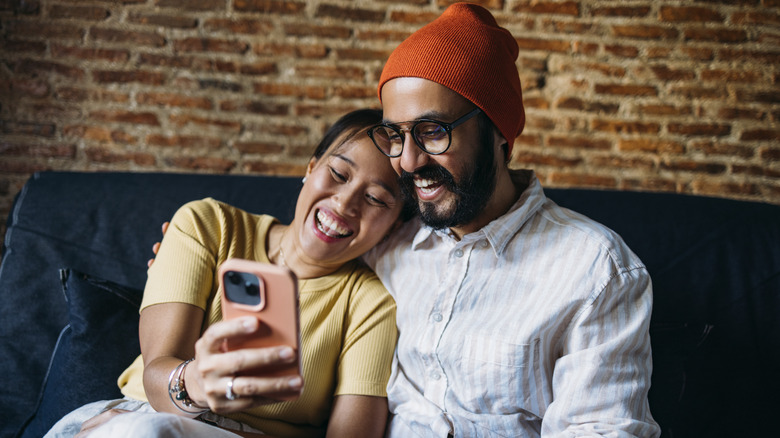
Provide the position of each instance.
(376, 201)
(337, 175)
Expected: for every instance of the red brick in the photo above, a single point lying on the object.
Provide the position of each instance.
(51, 31)
(694, 166)
(184, 141)
(772, 154)
(723, 35)
(29, 87)
(731, 75)
(646, 32)
(603, 68)
(91, 94)
(723, 149)
(569, 27)
(579, 143)
(80, 12)
(581, 180)
(740, 113)
(349, 13)
(746, 56)
(104, 155)
(9, 149)
(198, 5)
(99, 134)
(689, 14)
(561, 46)
(753, 170)
(27, 128)
(216, 84)
(125, 36)
(254, 107)
(651, 145)
(624, 51)
(122, 116)
(321, 109)
(362, 54)
(626, 89)
(715, 188)
(699, 129)
(258, 148)
(696, 92)
(29, 66)
(284, 129)
(556, 161)
(621, 11)
(14, 46)
(619, 162)
(165, 60)
(354, 92)
(763, 17)
(625, 126)
(548, 7)
(240, 26)
(140, 76)
(163, 20)
(284, 169)
(292, 50)
(60, 51)
(652, 184)
(664, 72)
(536, 102)
(769, 96)
(489, 4)
(21, 167)
(320, 31)
(760, 135)
(699, 53)
(416, 17)
(269, 6)
(380, 34)
(576, 103)
(210, 45)
(205, 122)
(343, 72)
(173, 100)
(278, 89)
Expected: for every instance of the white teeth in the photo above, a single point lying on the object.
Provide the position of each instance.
(330, 227)
(424, 185)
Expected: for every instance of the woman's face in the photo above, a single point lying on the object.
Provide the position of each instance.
(351, 200)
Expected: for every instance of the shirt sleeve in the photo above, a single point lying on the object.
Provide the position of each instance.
(369, 341)
(601, 381)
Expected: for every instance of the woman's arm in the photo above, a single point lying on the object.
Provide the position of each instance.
(358, 416)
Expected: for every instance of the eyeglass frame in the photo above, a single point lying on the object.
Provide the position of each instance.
(448, 127)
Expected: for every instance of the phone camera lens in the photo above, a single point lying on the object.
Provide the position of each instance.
(251, 288)
(234, 277)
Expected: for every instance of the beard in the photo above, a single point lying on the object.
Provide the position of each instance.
(470, 194)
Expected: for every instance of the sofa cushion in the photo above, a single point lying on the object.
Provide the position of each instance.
(98, 343)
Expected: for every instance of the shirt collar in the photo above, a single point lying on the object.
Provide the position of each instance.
(500, 231)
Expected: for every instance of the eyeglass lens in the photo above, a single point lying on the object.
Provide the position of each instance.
(430, 136)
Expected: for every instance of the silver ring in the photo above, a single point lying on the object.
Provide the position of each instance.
(229, 394)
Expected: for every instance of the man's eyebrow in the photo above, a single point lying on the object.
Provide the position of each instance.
(435, 115)
(376, 181)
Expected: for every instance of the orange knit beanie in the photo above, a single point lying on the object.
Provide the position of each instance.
(466, 51)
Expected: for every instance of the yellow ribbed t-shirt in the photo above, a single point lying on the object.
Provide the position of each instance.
(348, 330)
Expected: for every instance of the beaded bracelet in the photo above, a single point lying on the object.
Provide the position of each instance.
(176, 386)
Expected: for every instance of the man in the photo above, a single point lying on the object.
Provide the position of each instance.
(516, 317)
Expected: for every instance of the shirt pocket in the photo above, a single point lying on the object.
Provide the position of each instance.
(498, 376)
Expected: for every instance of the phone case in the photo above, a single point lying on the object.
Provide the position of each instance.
(269, 293)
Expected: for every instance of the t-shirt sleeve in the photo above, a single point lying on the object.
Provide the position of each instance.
(369, 343)
(183, 270)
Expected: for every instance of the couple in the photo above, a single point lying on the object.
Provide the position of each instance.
(515, 317)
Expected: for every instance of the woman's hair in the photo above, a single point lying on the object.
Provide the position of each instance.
(347, 127)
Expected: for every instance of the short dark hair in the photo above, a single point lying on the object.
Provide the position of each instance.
(346, 127)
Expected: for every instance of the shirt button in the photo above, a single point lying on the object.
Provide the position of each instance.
(435, 375)
(458, 253)
(437, 317)
(485, 243)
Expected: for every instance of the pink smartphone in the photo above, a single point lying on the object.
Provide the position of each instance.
(269, 293)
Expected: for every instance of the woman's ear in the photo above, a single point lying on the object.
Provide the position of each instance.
(310, 167)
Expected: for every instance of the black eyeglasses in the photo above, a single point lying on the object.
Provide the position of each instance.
(432, 136)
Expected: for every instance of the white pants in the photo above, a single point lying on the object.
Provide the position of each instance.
(144, 421)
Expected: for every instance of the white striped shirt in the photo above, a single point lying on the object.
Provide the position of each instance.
(535, 325)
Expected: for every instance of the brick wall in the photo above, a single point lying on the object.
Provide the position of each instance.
(676, 96)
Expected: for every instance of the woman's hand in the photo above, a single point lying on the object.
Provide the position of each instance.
(215, 369)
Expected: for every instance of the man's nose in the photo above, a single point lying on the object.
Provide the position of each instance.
(412, 157)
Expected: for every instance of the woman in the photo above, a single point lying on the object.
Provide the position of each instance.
(349, 201)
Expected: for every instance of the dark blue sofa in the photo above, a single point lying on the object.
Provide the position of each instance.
(74, 265)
